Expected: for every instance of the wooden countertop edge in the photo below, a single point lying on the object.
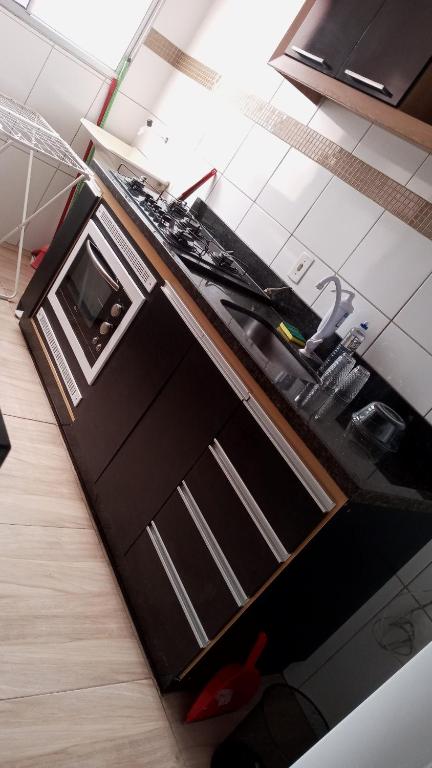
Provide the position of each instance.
(253, 387)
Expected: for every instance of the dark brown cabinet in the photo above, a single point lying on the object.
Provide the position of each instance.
(236, 532)
(194, 562)
(381, 49)
(279, 494)
(393, 51)
(330, 31)
(152, 349)
(169, 637)
(174, 431)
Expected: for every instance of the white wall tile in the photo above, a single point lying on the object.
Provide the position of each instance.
(13, 165)
(337, 222)
(361, 666)
(363, 312)
(339, 124)
(298, 673)
(22, 56)
(392, 155)
(421, 588)
(389, 264)
(146, 77)
(180, 27)
(255, 161)
(405, 365)
(293, 189)
(81, 139)
(228, 202)
(284, 262)
(184, 106)
(64, 92)
(421, 182)
(41, 230)
(126, 117)
(415, 317)
(262, 233)
(293, 102)
(226, 130)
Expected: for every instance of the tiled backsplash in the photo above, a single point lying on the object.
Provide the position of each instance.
(282, 202)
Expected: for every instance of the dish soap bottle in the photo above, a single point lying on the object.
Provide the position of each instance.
(350, 343)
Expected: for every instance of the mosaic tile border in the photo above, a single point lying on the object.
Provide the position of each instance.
(389, 194)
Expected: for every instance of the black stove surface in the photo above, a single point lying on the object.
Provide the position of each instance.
(183, 234)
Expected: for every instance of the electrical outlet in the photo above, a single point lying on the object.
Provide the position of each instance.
(301, 267)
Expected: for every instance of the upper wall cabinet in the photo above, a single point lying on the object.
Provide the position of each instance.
(380, 48)
(330, 31)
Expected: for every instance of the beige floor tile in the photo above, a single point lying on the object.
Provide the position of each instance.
(38, 485)
(9, 328)
(21, 392)
(63, 622)
(8, 257)
(120, 726)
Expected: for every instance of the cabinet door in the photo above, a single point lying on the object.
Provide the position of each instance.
(239, 537)
(393, 51)
(330, 31)
(137, 370)
(157, 455)
(195, 562)
(270, 488)
(161, 611)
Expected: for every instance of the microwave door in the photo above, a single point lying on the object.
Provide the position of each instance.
(95, 299)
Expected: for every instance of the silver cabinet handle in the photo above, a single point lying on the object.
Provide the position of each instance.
(365, 81)
(207, 344)
(212, 545)
(177, 585)
(308, 55)
(320, 496)
(102, 271)
(249, 503)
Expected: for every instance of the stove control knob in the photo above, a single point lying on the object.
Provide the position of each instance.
(95, 340)
(105, 328)
(116, 310)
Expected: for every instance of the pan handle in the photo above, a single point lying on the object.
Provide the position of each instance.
(256, 651)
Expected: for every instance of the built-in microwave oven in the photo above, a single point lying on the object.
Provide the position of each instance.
(94, 296)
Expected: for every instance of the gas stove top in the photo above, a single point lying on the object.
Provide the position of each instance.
(186, 238)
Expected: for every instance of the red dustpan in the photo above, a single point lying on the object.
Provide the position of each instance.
(231, 688)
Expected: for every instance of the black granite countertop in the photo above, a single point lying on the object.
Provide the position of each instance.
(401, 480)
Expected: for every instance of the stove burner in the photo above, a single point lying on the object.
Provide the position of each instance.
(137, 186)
(178, 209)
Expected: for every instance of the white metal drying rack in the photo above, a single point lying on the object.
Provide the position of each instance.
(31, 132)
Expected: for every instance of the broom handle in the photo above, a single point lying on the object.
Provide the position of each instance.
(256, 651)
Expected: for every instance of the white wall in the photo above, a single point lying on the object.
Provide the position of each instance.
(391, 729)
(350, 665)
(281, 203)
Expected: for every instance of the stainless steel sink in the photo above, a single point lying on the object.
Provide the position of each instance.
(283, 361)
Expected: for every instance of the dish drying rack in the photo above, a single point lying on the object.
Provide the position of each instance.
(27, 129)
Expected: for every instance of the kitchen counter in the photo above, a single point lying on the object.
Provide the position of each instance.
(399, 480)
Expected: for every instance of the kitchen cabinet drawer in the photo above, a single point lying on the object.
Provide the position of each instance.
(330, 31)
(137, 370)
(393, 50)
(162, 613)
(235, 530)
(175, 430)
(194, 558)
(270, 487)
